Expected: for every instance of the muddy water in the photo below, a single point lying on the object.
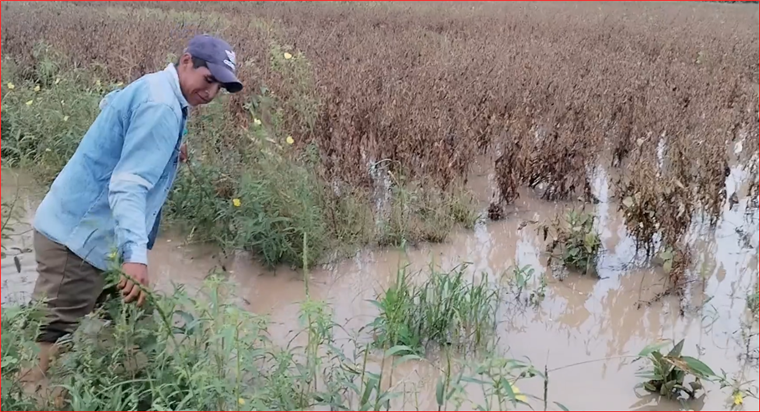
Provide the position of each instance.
(584, 330)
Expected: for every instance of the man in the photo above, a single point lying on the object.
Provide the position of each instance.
(109, 195)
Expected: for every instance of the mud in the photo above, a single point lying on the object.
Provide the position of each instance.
(584, 331)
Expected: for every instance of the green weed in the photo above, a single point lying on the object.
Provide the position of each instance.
(18, 349)
(574, 241)
(741, 389)
(668, 373)
(445, 309)
(192, 353)
(523, 279)
(498, 377)
(43, 122)
(182, 352)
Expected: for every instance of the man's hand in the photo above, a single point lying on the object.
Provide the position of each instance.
(183, 153)
(129, 288)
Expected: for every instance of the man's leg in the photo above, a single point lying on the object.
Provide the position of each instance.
(69, 287)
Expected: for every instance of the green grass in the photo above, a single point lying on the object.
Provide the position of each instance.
(446, 309)
(184, 352)
(44, 122)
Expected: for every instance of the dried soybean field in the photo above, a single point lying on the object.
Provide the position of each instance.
(413, 206)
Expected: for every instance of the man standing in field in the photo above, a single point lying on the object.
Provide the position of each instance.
(109, 195)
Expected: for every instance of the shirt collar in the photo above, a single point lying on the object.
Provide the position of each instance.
(172, 72)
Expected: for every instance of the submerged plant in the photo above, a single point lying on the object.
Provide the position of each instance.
(668, 373)
(522, 279)
(445, 309)
(574, 241)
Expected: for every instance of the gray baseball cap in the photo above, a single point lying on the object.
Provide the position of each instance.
(219, 58)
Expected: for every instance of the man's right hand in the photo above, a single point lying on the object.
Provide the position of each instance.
(134, 273)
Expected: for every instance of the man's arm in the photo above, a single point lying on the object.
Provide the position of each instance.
(148, 146)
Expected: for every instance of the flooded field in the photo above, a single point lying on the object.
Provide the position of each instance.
(585, 330)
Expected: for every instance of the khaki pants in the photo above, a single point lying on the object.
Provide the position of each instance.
(70, 286)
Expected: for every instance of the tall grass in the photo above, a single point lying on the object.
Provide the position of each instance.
(188, 354)
(446, 309)
(183, 352)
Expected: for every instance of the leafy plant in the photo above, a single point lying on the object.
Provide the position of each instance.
(522, 279)
(18, 349)
(668, 373)
(574, 241)
(498, 379)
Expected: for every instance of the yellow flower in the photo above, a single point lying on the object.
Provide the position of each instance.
(236, 202)
(257, 122)
(241, 401)
(11, 85)
(518, 395)
(37, 88)
(112, 255)
(738, 398)
(65, 118)
(29, 103)
(290, 140)
(287, 56)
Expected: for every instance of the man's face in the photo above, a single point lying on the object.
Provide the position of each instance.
(198, 85)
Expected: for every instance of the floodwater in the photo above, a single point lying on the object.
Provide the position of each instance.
(585, 331)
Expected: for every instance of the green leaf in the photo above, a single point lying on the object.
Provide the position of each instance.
(473, 380)
(386, 397)
(654, 347)
(561, 406)
(439, 393)
(508, 387)
(648, 375)
(8, 361)
(406, 358)
(676, 351)
(698, 366)
(371, 382)
(398, 349)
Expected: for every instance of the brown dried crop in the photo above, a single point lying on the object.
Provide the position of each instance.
(654, 90)
(430, 87)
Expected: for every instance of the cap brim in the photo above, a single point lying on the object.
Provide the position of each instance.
(224, 76)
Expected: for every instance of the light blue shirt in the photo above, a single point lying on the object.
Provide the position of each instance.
(109, 194)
